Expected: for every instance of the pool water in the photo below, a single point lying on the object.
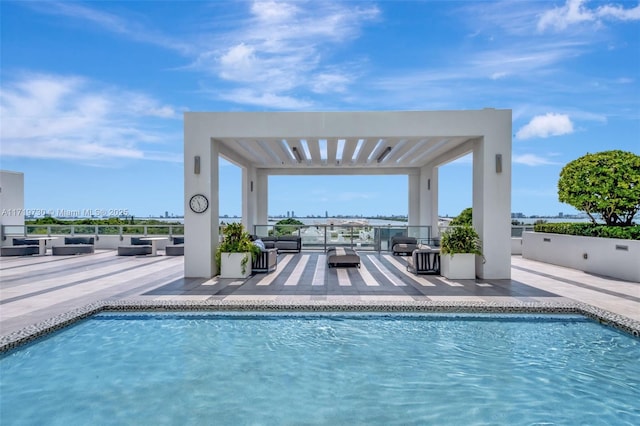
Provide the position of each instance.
(329, 369)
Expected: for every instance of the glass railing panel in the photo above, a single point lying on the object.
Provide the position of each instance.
(108, 229)
(13, 230)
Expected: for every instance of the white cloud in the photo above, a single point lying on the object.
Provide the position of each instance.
(50, 116)
(330, 82)
(532, 160)
(282, 49)
(273, 12)
(260, 98)
(576, 12)
(543, 126)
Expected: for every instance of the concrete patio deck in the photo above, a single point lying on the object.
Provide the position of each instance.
(37, 288)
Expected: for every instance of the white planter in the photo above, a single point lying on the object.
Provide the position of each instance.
(461, 266)
(231, 265)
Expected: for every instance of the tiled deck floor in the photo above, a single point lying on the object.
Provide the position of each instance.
(34, 289)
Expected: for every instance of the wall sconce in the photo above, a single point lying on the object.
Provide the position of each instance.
(297, 154)
(196, 165)
(498, 163)
(384, 153)
(251, 186)
(429, 184)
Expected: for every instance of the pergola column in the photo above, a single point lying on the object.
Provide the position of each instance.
(415, 200)
(492, 203)
(262, 197)
(201, 176)
(249, 198)
(429, 198)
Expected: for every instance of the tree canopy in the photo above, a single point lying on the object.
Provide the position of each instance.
(605, 183)
(286, 226)
(464, 218)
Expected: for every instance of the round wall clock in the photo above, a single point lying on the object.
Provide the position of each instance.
(199, 203)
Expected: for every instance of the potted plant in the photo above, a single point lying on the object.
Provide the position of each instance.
(235, 252)
(459, 246)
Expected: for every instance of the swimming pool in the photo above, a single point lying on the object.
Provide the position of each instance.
(224, 368)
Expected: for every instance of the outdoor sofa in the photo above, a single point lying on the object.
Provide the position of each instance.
(21, 247)
(283, 242)
(175, 249)
(74, 245)
(136, 248)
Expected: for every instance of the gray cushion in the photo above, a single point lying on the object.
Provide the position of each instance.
(175, 250)
(72, 249)
(136, 241)
(135, 250)
(25, 242)
(79, 240)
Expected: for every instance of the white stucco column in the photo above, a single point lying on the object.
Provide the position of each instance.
(492, 201)
(429, 198)
(11, 199)
(415, 196)
(249, 198)
(262, 197)
(200, 229)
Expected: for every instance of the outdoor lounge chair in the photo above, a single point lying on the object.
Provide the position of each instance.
(425, 260)
(267, 261)
(401, 245)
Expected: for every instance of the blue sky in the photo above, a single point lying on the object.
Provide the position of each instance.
(92, 93)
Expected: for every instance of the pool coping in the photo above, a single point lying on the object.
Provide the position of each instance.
(35, 331)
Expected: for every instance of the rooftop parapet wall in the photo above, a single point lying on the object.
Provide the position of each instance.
(610, 257)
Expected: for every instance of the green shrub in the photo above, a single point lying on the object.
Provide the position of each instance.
(460, 239)
(590, 230)
(236, 240)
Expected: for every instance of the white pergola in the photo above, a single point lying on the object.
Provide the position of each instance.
(412, 143)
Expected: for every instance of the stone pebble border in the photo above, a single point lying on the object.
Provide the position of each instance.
(28, 334)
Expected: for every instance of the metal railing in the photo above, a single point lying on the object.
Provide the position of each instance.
(361, 237)
(320, 236)
(96, 230)
(518, 230)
